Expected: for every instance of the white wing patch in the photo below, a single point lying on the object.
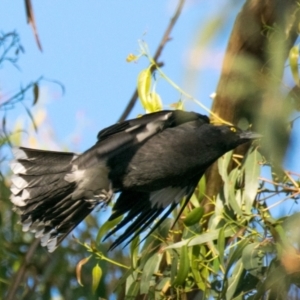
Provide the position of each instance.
(152, 128)
(19, 153)
(17, 167)
(17, 199)
(19, 182)
(75, 175)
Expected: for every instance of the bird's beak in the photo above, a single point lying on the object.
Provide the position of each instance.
(249, 135)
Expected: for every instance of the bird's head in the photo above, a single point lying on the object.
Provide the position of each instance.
(233, 136)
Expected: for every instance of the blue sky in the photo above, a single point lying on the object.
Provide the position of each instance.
(85, 45)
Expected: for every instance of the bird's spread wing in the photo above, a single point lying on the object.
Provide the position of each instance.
(118, 138)
(128, 134)
(139, 122)
(157, 121)
(144, 208)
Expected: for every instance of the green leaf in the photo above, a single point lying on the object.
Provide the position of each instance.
(221, 245)
(131, 280)
(201, 188)
(233, 281)
(184, 267)
(96, 277)
(174, 265)
(216, 265)
(205, 277)
(194, 216)
(35, 94)
(280, 235)
(218, 215)
(199, 192)
(204, 238)
(195, 253)
(124, 279)
(252, 171)
(134, 251)
(234, 197)
(223, 163)
(133, 290)
(293, 59)
(151, 267)
(106, 227)
(235, 255)
(252, 257)
(165, 281)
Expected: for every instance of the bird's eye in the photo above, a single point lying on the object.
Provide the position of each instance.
(232, 129)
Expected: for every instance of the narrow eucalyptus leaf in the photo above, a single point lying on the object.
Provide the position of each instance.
(252, 258)
(184, 267)
(151, 267)
(35, 94)
(233, 280)
(204, 238)
(252, 171)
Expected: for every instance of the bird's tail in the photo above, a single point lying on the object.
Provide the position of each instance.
(43, 197)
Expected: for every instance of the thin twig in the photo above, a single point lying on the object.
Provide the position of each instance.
(280, 201)
(21, 272)
(164, 40)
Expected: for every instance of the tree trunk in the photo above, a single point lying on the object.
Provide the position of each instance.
(250, 82)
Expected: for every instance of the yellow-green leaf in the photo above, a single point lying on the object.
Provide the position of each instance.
(79, 267)
(154, 102)
(96, 274)
(221, 245)
(131, 57)
(293, 59)
(106, 227)
(143, 87)
(134, 251)
(178, 105)
(195, 253)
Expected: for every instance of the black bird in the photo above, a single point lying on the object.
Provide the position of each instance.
(154, 162)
